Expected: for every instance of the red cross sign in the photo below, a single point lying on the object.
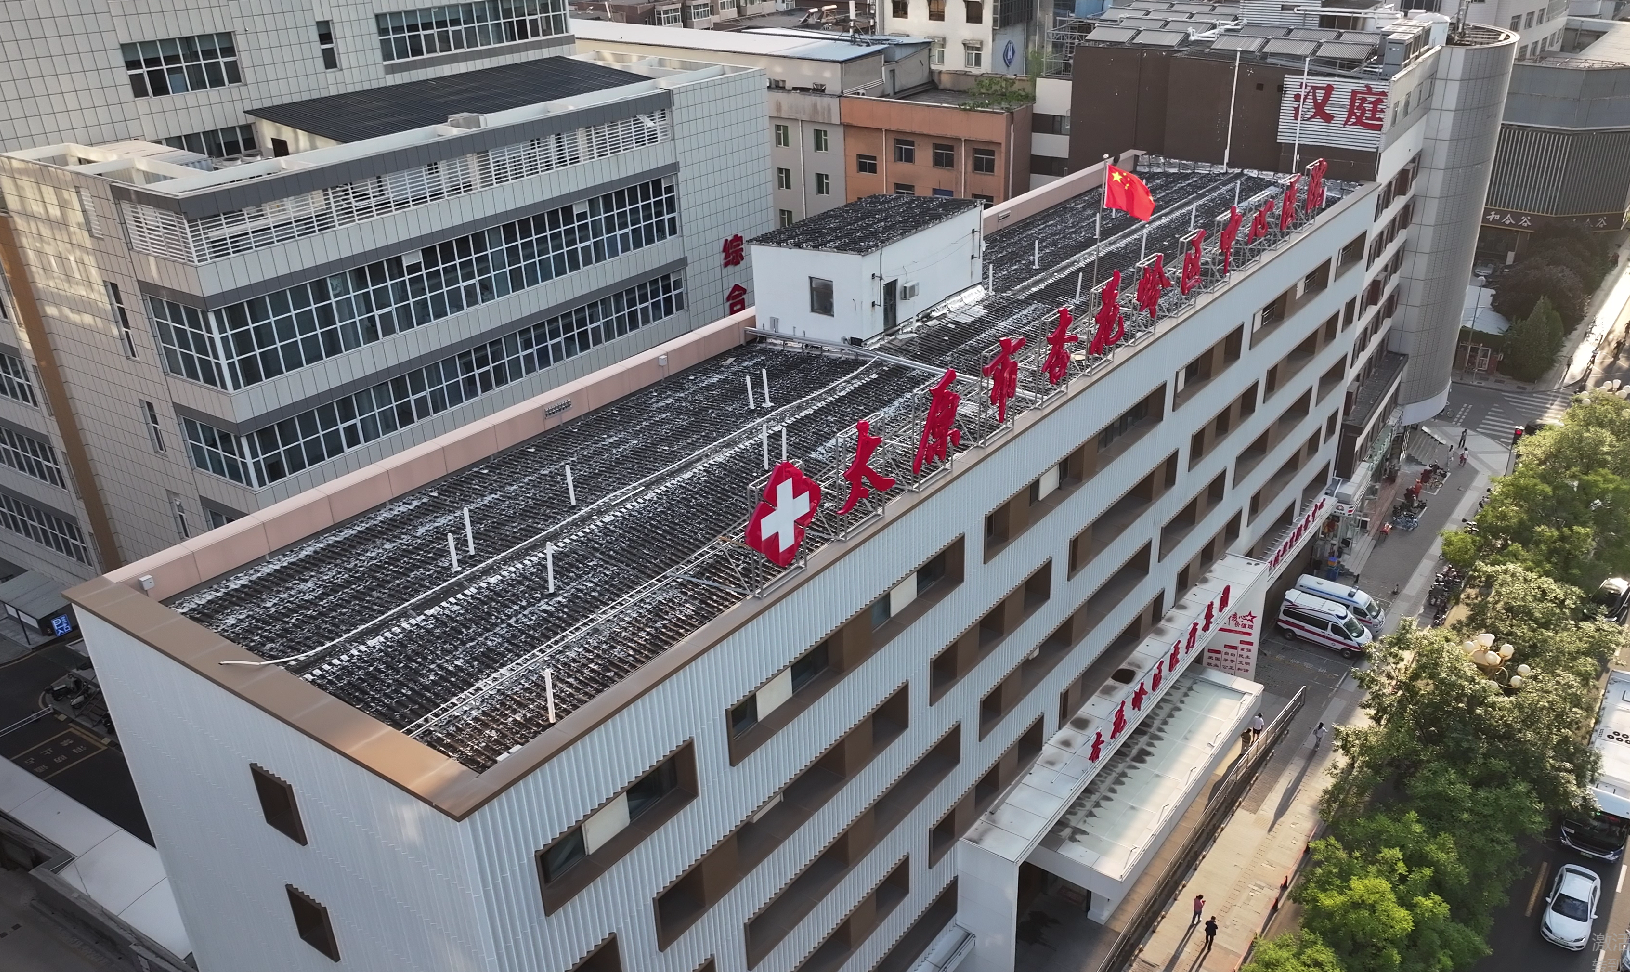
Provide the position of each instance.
(777, 527)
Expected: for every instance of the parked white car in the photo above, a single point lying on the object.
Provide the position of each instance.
(1570, 908)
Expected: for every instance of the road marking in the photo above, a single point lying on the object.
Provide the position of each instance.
(1620, 886)
(1600, 954)
(1539, 882)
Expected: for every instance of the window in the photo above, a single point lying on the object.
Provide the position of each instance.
(823, 140)
(268, 454)
(264, 337)
(216, 518)
(905, 150)
(944, 156)
(1516, 23)
(973, 11)
(406, 34)
(937, 54)
(121, 316)
(783, 177)
(325, 43)
(783, 136)
(780, 689)
(1049, 165)
(180, 64)
(217, 143)
(180, 513)
(902, 9)
(904, 189)
(902, 594)
(670, 17)
(87, 211)
(1528, 21)
(676, 773)
(700, 11)
(1044, 124)
(784, 217)
(984, 198)
(823, 184)
(936, 10)
(30, 456)
(14, 383)
(311, 922)
(154, 430)
(866, 163)
(45, 529)
(820, 296)
(973, 54)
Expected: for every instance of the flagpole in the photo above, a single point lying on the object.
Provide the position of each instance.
(1228, 146)
(1296, 150)
(1098, 224)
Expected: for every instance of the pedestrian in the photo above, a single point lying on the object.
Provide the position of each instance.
(1211, 931)
(1318, 735)
(1463, 437)
(1463, 457)
(1199, 909)
(1257, 725)
(1245, 739)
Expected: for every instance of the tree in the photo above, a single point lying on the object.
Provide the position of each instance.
(1565, 511)
(1300, 951)
(1532, 343)
(1516, 293)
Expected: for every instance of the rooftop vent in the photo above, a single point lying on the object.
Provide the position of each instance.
(466, 119)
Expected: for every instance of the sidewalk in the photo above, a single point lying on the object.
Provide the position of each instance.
(1262, 844)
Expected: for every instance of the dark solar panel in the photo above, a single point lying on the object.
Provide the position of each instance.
(395, 108)
(1293, 48)
(1249, 45)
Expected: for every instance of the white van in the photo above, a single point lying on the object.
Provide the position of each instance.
(1365, 608)
(1323, 622)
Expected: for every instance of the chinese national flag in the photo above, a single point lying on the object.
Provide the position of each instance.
(1126, 191)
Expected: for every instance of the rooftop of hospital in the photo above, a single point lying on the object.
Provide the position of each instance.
(602, 542)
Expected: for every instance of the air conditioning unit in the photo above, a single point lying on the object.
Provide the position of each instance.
(908, 291)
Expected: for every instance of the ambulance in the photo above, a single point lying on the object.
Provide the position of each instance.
(1322, 621)
(1365, 608)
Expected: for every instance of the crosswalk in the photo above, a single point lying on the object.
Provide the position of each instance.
(1508, 411)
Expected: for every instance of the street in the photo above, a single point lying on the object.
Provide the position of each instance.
(1515, 936)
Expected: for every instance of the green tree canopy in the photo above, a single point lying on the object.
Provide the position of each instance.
(1565, 511)
(1516, 293)
(1533, 342)
(1300, 951)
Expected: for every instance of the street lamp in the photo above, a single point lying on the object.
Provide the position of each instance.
(1491, 661)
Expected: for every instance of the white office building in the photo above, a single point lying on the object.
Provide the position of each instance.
(246, 251)
(535, 696)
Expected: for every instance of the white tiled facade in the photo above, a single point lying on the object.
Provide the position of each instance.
(69, 211)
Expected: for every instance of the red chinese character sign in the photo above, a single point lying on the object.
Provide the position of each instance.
(776, 529)
(1315, 186)
(1153, 283)
(940, 434)
(1003, 373)
(736, 300)
(1190, 276)
(1283, 554)
(1287, 208)
(1259, 223)
(734, 251)
(1348, 113)
(1057, 364)
(1111, 322)
(1225, 239)
(860, 475)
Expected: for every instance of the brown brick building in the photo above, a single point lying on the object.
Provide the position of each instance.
(932, 143)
